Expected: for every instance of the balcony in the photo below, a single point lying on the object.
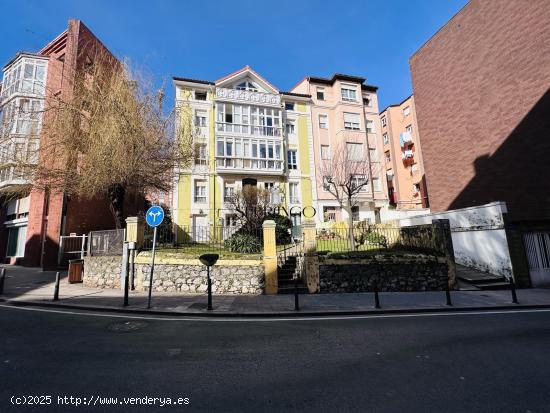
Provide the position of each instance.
(234, 164)
(255, 130)
(248, 96)
(407, 155)
(405, 138)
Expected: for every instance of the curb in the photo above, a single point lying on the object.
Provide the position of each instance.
(287, 314)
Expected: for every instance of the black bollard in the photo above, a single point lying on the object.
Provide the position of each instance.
(56, 289)
(126, 287)
(376, 298)
(296, 297)
(2, 278)
(448, 293)
(209, 308)
(513, 291)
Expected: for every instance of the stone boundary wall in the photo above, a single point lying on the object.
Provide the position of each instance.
(179, 275)
(394, 272)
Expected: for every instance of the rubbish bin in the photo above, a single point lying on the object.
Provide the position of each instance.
(76, 268)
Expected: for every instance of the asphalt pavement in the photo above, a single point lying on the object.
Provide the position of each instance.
(493, 361)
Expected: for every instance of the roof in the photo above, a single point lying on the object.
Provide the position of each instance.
(396, 105)
(13, 59)
(187, 79)
(344, 77)
(300, 95)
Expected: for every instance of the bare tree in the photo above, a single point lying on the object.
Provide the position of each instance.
(347, 176)
(108, 136)
(251, 205)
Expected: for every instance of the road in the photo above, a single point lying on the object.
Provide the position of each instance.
(428, 363)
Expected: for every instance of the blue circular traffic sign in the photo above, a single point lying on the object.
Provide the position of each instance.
(154, 216)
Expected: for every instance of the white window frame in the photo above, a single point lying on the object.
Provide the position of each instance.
(199, 186)
(322, 91)
(350, 91)
(294, 192)
(355, 151)
(292, 159)
(353, 121)
(323, 125)
(326, 155)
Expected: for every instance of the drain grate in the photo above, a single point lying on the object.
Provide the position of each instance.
(127, 326)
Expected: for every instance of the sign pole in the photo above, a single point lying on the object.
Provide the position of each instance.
(152, 266)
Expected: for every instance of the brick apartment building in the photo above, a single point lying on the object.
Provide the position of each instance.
(481, 86)
(403, 156)
(30, 225)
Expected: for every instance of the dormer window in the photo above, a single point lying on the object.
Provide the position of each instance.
(246, 85)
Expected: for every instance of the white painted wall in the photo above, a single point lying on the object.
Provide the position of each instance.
(387, 215)
(479, 238)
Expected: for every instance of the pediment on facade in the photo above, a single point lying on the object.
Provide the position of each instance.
(246, 79)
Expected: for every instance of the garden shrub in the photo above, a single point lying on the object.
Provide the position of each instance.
(243, 243)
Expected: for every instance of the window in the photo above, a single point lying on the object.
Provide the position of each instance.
(200, 95)
(228, 190)
(414, 167)
(376, 184)
(25, 75)
(370, 126)
(323, 121)
(293, 192)
(269, 185)
(231, 220)
(359, 183)
(409, 128)
(367, 101)
(325, 152)
(200, 192)
(386, 139)
(355, 151)
(320, 93)
(200, 154)
(329, 213)
(200, 118)
(292, 160)
(355, 213)
(406, 111)
(349, 94)
(246, 86)
(387, 156)
(351, 121)
(289, 105)
(383, 120)
(373, 154)
(416, 188)
(16, 241)
(290, 127)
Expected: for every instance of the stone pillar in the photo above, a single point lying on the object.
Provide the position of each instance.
(445, 244)
(135, 228)
(270, 257)
(310, 273)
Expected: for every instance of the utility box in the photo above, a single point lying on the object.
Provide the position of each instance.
(76, 268)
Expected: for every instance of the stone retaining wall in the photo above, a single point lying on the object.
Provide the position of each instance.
(179, 275)
(395, 272)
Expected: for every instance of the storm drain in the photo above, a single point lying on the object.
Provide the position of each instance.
(127, 326)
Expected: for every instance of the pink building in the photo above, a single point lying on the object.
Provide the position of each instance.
(344, 115)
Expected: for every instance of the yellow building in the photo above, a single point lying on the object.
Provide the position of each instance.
(247, 133)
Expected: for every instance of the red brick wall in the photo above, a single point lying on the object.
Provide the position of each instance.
(481, 87)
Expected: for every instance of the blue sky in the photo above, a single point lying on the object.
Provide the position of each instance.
(283, 40)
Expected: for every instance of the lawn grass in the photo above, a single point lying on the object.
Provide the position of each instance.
(193, 251)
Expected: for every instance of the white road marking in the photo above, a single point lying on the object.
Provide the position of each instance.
(271, 319)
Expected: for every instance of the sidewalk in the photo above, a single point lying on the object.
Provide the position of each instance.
(30, 286)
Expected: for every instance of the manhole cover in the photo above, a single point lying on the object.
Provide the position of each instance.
(127, 326)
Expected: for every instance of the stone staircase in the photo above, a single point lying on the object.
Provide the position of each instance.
(472, 279)
(285, 277)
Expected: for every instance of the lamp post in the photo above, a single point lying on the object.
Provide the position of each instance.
(209, 260)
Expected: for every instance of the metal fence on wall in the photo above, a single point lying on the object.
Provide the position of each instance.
(377, 238)
(202, 239)
(108, 242)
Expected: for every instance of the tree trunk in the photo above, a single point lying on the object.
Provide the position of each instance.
(116, 197)
(351, 239)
